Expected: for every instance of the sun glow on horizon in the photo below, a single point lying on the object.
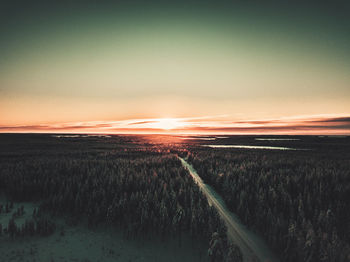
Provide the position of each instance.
(316, 125)
(166, 123)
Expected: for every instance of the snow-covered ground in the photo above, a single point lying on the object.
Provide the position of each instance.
(105, 244)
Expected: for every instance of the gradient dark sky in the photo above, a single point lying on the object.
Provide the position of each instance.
(66, 62)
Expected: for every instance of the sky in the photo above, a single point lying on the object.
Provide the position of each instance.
(279, 67)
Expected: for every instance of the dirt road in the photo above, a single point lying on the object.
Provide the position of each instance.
(253, 247)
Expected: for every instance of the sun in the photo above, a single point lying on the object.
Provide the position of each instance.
(167, 123)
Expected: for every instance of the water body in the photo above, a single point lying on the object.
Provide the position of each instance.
(252, 246)
(66, 136)
(79, 136)
(253, 147)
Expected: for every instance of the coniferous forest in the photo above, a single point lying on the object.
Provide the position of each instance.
(297, 201)
(143, 190)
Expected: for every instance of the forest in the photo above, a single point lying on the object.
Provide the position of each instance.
(298, 200)
(143, 190)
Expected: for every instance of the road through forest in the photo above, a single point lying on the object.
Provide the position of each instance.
(253, 247)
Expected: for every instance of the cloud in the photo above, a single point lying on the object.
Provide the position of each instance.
(142, 122)
(334, 120)
(192, 125)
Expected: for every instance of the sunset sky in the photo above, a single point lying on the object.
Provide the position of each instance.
(175, 67)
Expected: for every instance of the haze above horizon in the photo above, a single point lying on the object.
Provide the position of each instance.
(181, 67)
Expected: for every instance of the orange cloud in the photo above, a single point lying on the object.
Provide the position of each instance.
(197, 125)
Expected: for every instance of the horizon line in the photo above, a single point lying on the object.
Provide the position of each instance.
(173, 134)
(311, 125)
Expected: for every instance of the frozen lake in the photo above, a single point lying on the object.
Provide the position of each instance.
(253, 147)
